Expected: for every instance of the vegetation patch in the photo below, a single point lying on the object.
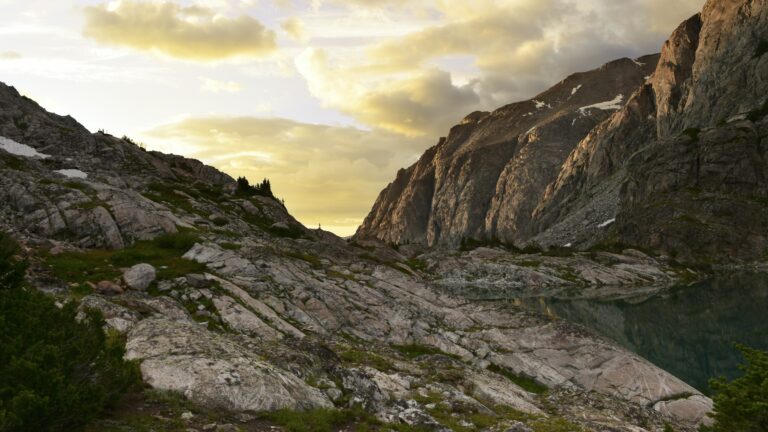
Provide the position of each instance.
(525, 383)
(758, 114)
(163, 252)
(220, 221)
(742, 404)
(417, 264)
(530, 263)
(13, 162)
(313, 260)
(80, 290)
(20, 123)
(292, 231)
(338, 275)
(168, 194)
(230, 246)
(72, 184)
(246, 189)
(692, 133)
(323, 420)
(366, 358)
(56, 373)
(761, 49)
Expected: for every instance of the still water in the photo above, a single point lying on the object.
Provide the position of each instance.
(689, 331)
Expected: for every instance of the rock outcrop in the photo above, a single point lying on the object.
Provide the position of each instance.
(676, 164)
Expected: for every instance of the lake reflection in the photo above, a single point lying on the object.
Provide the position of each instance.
(688, 331)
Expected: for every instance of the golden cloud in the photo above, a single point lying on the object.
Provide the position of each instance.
(327, 174)
(193, 32)
(295, 28)
(216, 86)
(415, 104)
(10, 55)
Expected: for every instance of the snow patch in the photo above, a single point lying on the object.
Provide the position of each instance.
(647, 77)
(540, 104)
(575, 89)
(638, 63)
(606, 223)
(567, 245)
(19, 149)
(72, 173)
(614, 104)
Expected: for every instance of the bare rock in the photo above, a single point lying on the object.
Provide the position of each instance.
(140, 276)
(213, 370)
(108, 288)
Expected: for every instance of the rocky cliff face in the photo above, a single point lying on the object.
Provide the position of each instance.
(678, 164)
(487, 176)
(229, 301)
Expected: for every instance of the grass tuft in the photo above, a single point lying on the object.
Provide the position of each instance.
(525, 383)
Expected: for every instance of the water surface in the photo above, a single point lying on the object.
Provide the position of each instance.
(688, 331)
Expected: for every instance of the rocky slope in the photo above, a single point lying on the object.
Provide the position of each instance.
(229, 301)
(677, 164)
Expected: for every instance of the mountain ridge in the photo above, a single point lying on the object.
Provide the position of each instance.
(707, 75)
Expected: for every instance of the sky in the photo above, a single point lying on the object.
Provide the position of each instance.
(326, 98)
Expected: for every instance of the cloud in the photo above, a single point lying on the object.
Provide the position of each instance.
(216, 86)
(10, 55)
(416, 104)
(296, 29)
(515, 49)
(327, 174)
(192, 32)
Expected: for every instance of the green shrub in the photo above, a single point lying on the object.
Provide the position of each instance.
(759, 113)
(11, 269)
(762, 48)
(692, 133)
(742, 404)
(220, 221)
(56, 373)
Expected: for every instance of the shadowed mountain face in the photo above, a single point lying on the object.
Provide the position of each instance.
(672, 151)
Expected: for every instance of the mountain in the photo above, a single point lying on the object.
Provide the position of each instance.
(666, 152)
(229, 302)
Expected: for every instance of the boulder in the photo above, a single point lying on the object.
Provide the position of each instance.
(140, 276)
(108, 288)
